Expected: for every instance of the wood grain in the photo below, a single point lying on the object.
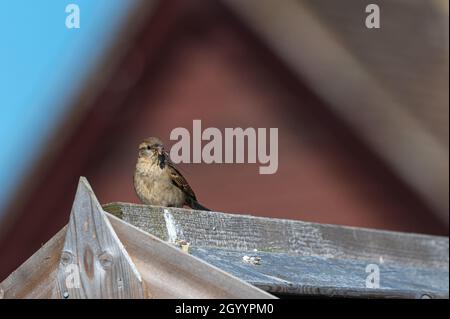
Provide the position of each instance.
(244, 232)
(288, 274)
(171, 273)
(299, 257)
(118, 260)
(94, 263)
(86, 259)
(36, 277)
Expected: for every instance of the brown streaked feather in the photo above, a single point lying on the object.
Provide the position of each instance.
(179, 181)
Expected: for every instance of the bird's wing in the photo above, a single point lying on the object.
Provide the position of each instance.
(179, 181)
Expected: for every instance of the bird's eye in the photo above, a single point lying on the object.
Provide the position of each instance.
(148, 147)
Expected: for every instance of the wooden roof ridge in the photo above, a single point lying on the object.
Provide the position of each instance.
(100, 256)
(292, 257)
(134, 252)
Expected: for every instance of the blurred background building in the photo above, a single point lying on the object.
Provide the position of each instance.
(362, 113)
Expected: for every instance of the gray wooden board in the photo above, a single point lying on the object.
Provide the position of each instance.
(282, 273)
(35, 278)
(171, 273)
(411, 265)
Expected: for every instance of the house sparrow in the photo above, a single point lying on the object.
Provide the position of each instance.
(158, 182)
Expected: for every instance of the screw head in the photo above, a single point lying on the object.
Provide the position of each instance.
(65, 295)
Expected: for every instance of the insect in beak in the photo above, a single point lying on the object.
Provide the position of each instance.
(162, 160)
(161, 156)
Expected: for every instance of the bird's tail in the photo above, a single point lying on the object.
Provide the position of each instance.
(196, 205)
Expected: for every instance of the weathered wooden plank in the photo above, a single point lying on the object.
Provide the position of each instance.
(171, 273)
(244, 232)
(94, 263)
(302, 258)
(282, 273)
(35, 278)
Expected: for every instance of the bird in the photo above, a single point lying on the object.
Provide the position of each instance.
(158, 182)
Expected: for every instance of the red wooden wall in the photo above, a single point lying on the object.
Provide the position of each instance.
(196, 61)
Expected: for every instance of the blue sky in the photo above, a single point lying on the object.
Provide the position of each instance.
(42, 64)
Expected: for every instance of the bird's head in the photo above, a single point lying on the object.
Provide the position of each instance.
(152, 149)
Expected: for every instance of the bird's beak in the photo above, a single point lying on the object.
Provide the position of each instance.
(160, 150)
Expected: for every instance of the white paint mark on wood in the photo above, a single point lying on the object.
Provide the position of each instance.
(172, 273)
(173, 231)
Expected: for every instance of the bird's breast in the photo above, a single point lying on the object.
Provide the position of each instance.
(154, 186)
